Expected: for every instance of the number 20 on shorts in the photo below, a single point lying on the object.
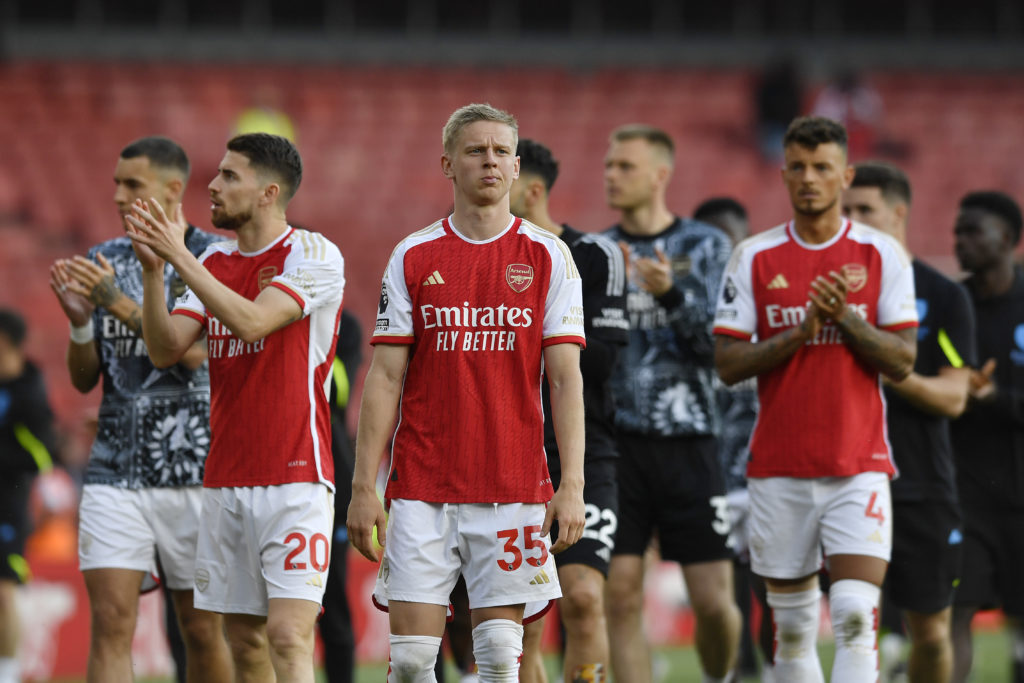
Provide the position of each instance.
(319, 551)
(531, 539)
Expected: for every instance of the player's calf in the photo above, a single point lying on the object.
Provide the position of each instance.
(497, 646)
(854, 607)
(796, 617)
(413, 659)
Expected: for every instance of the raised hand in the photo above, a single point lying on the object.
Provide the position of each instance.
(71, 295)
(149, 226)
(828, 295)
(654, 275)
(95, 281)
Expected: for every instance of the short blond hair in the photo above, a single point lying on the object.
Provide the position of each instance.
(471, 113)
(655, 137)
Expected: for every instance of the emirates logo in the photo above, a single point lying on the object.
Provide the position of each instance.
(519, 277)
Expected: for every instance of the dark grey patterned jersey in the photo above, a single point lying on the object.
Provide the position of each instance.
(664, 383)
(738, 407)
(154, 424)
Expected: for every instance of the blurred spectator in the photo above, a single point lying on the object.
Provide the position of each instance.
(26, 441)
(778, 98)
(53, 503)
(858, 106)
(265, 116)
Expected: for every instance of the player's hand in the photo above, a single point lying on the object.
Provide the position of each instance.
(829, 294)
(654, 275)
(567, 507)
(73, 298)
(150, 226)
(366, 514)
(813, 320)
(95, 281)
(981, 386)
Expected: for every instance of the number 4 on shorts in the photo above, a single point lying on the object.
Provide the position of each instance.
(873, 511)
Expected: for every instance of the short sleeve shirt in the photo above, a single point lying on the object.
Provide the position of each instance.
(477, 315)
(821, 411)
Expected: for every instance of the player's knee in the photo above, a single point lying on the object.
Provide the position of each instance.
(112, 620)
(932, 633)
(712, 603)
(796, 618)
(854, 611)
(200, 629)
(497, 645)
(582, 603)
(289, 639)
(413, 658)
(624, 597)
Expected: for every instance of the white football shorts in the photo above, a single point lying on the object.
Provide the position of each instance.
(128, 528)
(263, 542)
(793, 520)
(497, 547)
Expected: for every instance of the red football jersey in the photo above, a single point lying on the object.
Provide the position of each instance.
(269, 414)
(478, 316)
(822, 411)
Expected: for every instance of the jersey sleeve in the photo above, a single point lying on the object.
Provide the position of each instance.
(604, 291)
(394, 311)
(736, 313)
(313, 273)
(897, 308)
(563, 307)
(189, 304)
(956, 335)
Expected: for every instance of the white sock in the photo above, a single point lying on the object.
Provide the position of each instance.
(796, 617)
(854, 606)
(497, 648)
(412, 659)
(705, 678)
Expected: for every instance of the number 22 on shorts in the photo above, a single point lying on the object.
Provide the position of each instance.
(531, 540)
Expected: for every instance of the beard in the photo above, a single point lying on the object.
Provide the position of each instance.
(808, 209)
(226, 221)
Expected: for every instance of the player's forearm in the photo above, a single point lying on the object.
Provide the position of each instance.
(162, 342)
(891, 353)
(943, 394)
(567, 416)
(377, 415)
(83, 363)
(195, 356)
(737, 359)
(125, 310)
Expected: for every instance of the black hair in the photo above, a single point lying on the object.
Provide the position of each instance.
(890, 181)
(717, 206)
(811, 131)
(536, 158)
(271, 153)
(162, 153)
(13, 325)
(998, 204)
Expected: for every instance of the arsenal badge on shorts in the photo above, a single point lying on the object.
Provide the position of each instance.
(856, 276)
(519, 276)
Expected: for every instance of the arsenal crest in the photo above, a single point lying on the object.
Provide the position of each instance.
(519, 276)
(856, 276)
(266, 275)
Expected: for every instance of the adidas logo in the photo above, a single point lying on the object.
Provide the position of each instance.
(779, 282)
(315, 581)
(540, 579)
(875, 537)
(434, 279)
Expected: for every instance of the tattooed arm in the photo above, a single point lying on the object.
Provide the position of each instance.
(737, 360)
(891, 353)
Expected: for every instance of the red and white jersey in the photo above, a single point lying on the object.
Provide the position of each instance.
(269, 414)
(478, 316)
(822, 411)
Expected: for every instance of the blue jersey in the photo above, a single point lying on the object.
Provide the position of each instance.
(664, 384)
(154, 424)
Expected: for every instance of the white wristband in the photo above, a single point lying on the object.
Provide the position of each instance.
(83, 334)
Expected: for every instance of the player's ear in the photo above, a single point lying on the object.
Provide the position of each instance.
(848, 176)
(270, 195)
(175, 188)
(446, 166)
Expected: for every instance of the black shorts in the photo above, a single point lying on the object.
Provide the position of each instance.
(674, 486)
(993, 557)
(13, 533)
(601, 496)
(927, 550)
